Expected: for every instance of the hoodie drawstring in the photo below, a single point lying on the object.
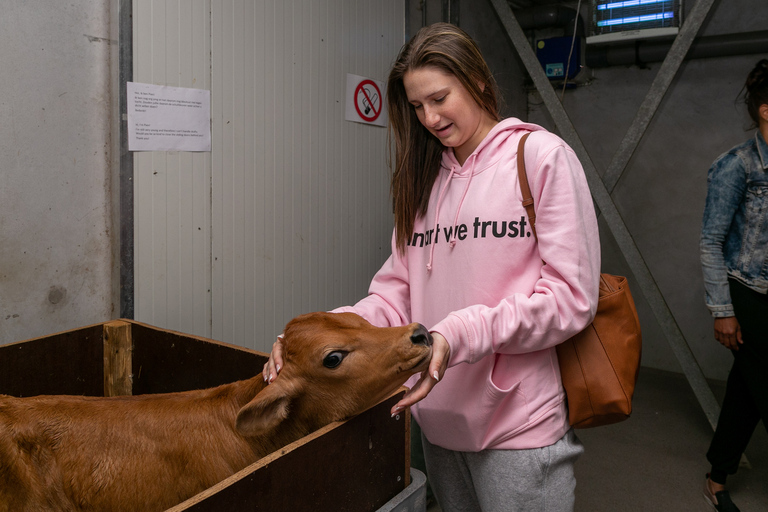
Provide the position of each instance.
(461, 203)
(437, 215)
(452, 241)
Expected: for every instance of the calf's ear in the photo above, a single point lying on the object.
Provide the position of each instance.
(265, 412)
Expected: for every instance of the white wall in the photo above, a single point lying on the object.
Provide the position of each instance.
(291, 206)
(55, 223)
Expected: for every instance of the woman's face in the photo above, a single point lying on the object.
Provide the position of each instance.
(763, 121)
(447, 109)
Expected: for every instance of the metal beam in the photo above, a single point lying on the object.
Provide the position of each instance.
(125, 182)
(450, 11)
(602, 198)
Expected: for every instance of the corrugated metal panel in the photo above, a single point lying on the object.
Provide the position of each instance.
(289, 213)
(300, 208)
(172, 189)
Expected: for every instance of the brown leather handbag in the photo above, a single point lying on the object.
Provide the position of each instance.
(599, 365)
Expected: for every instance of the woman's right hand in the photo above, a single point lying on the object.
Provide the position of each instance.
(728, 332)
(441, 354)
(275, 364)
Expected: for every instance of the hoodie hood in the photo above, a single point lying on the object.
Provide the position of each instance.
(490, 149)
(485, 155)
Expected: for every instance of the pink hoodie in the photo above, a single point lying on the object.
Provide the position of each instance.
(473, 272)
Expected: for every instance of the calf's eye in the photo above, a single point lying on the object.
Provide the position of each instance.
(333, 359)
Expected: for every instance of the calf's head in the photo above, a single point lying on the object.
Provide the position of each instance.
(336, 365)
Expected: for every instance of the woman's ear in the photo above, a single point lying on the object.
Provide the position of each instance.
(481, 86)
(763, 111)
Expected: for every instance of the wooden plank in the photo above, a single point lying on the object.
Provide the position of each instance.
(118, 349)
(67, 363)
(354, 466)
(166, 361)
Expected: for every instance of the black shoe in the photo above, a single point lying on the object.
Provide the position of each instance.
(720, 501)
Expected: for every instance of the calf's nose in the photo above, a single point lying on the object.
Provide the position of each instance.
(421, 336)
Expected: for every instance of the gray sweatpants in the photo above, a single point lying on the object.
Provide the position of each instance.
(536, 480)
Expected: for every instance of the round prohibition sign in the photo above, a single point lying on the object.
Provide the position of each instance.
(368, 100)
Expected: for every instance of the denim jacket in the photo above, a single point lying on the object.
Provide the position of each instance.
(734, 231)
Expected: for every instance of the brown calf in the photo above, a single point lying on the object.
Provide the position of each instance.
(150, 452)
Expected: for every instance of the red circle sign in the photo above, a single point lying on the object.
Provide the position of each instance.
(368, 100)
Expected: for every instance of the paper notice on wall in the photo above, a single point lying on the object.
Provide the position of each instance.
(163, 118)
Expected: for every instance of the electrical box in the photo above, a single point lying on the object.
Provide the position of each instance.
(553, 55)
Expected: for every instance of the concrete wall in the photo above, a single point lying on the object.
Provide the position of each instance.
(55, 231)
(661, 194)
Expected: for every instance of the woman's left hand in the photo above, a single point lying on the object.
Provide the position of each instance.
(728, 332)
(441, 353)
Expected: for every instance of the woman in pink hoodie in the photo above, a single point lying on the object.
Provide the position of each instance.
(465, 264)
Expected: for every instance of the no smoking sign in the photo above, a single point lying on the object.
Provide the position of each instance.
(365, 101)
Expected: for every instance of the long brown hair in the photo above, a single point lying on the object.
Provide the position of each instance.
(418, 152)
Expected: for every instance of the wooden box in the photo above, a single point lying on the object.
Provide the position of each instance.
(356, 465)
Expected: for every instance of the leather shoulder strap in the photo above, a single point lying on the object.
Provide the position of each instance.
(524, 187)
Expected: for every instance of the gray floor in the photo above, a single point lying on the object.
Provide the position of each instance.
(655, 460)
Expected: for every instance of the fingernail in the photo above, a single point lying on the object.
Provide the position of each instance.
(277, 368)
(271, 378)
(436, 376)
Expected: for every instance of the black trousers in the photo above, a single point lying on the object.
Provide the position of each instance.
(746, 393)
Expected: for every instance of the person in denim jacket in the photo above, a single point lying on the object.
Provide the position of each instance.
(734, 258)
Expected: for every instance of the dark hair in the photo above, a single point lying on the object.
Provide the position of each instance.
(756, 88)
(417, 152)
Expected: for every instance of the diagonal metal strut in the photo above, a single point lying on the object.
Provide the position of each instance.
(601, 190)
(658, 89)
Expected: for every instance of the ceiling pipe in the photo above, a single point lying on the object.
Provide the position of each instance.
(550, 16)
(645, 51)
(641, 51)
